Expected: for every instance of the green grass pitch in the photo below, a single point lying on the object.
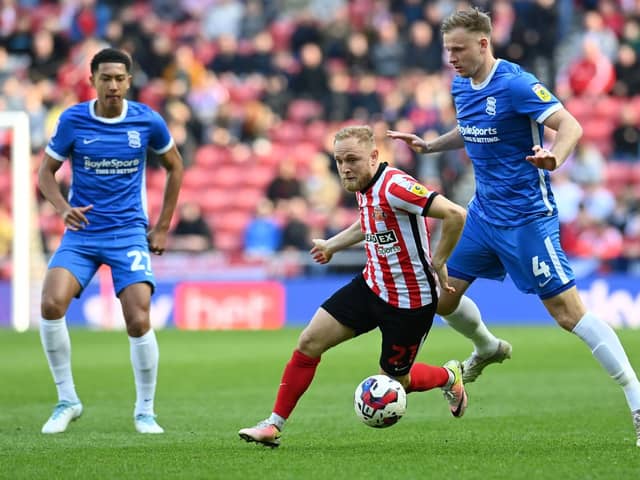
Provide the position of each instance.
(549, 413)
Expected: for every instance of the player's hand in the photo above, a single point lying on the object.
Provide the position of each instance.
(542, 158)
(74, 217)
(157, 241)
(320, 252)
(416, 143)
(443, 277)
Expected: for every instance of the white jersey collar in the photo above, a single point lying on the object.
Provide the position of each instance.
(119, 118)
(486, 81)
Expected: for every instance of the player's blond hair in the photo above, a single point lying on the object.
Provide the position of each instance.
(362, 133)
(471, 20)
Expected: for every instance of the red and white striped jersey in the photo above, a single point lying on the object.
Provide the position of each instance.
(392, 219)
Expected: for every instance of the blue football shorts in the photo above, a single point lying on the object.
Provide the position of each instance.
(531, 254)
(126, 254)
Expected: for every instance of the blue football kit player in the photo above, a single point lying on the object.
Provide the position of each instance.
(105, 216)
(512, 222)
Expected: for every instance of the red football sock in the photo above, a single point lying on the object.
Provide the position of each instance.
(296, 378)
(425, 377)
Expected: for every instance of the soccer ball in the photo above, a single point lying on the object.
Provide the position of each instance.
(380, 401)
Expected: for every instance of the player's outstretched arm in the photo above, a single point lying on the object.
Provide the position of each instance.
(453, 217)
(568, 133)
(172, 162)
(74, 217)
(323, 250)
(449, 141)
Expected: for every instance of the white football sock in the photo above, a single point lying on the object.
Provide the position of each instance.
(144, 359)
(607, 349)
(277, 420)
(57, 347)
(467, 320)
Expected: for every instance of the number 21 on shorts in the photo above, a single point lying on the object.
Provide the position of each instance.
(141, 261)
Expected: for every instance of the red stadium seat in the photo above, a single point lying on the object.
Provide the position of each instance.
(303, 110)
(259, 175)
(617, 175)
(214, 200)
(210, 156)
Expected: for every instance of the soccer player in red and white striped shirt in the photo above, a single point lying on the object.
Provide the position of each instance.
(397, 291)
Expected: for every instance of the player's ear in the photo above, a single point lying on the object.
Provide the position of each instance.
(374, 155)
(484, 43)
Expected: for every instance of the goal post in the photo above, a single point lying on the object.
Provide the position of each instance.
(24, 217)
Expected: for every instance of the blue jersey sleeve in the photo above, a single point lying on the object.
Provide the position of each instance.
(530, 97)
(61, 143)
(160, 140)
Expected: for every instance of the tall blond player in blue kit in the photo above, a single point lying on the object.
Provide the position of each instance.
(105, 215)
(512, 223)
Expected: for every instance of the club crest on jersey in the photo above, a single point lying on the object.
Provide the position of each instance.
(491, 106)
(542, 93)
(417, 189)
(134, 138)
(378, 214)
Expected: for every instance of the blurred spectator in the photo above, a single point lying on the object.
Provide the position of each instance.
(593, 73)
(424, 50)
(627, 72)
(296, 233)
(587, 164)
(253, 21)
(285, 185)
(191, 233)
(89, 19)
(600, 241)
(598, 201)
(359, 58)
(263, 234)
(365, 100)
(223, 18)
(46, 56)
(567, 194)
(311, 80)
(321, 187)
(337, 107)
(626, 136)
(388, 53)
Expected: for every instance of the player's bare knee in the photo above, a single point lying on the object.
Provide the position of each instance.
(137, 327)
(52, 308)
(310, 345)
(567, 322)
(447, 305)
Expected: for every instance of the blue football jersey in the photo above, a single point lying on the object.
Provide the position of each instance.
(108, 159)
(500, 121)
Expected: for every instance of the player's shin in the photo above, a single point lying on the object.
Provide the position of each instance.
(426, 377)
(296, 378)
(607, 349)
(467, 320)
(54, 336)
(144, 359)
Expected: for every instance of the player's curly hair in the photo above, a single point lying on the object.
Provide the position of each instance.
(362, 133)
(110, 55)
(473, 20)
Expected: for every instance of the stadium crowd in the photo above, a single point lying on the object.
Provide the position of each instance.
(253, 90)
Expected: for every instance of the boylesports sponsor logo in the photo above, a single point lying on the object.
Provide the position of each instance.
(112, 166)
(472, 133)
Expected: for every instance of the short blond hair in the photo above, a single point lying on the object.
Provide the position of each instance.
(473, 20)
(362, 133)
